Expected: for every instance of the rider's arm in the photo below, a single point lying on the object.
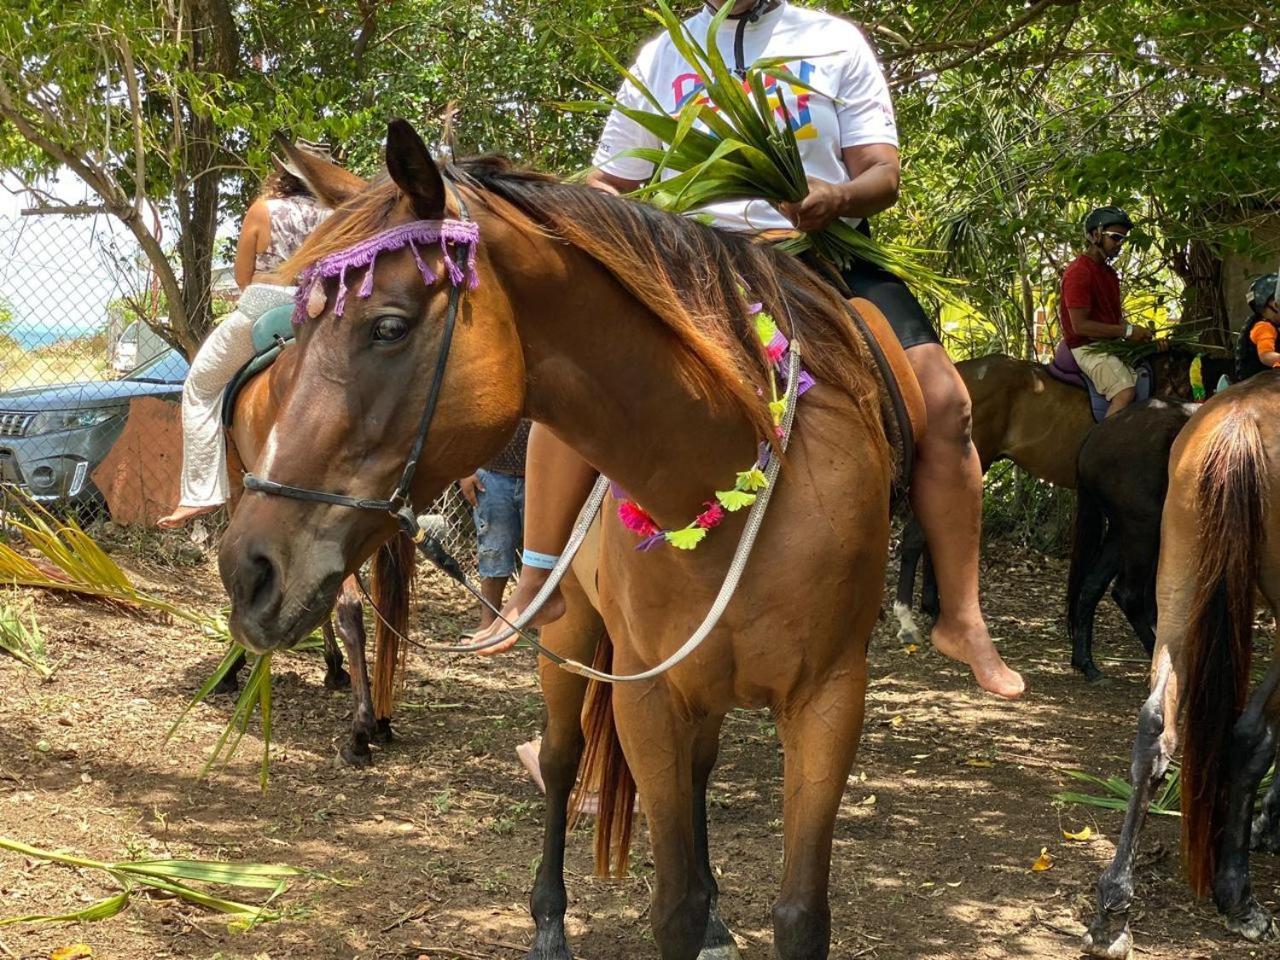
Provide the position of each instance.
(1263, 336)
(610, 183)
(1094, 330)
(255, 233)
(874, 178)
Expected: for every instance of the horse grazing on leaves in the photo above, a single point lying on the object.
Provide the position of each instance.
(1219, 547)
(625, 330)
(255, 406)
(1122, 476)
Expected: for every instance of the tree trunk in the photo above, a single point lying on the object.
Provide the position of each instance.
(1204, 303)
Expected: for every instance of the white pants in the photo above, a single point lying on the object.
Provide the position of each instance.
(228, 348)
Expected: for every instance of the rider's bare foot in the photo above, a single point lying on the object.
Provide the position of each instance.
(183, 514)
(527, 587)
(971, 644)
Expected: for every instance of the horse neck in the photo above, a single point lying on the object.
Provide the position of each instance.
(603, 372)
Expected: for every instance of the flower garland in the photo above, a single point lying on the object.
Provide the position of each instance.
(748, 482)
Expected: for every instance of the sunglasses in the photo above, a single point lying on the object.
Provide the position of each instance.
(1117, 237)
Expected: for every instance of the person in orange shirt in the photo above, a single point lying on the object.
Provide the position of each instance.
(1256, 350)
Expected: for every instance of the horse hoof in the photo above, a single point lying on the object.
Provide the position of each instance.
(357, 756)
(337, 679)
(382, 734)
(727, 951)
(550, 944)
(1256, 925)
(908, 632)
(1092, 674)
(1100, 942)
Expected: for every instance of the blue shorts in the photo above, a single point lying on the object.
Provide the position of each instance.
(499, 523)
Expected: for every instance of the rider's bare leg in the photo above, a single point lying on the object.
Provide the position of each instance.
(1121, 400)
(556, 483)
(946, 494)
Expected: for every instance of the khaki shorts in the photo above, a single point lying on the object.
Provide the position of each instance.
(1110, 375)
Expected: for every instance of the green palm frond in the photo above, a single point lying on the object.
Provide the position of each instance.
(174, 877)
(746, 152)
(24, 642)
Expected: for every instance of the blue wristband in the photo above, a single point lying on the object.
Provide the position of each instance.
(543, 561)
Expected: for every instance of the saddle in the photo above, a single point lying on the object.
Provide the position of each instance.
(272, 332)
(1063, 367)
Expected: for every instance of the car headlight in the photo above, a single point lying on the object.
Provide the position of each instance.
(55, 421)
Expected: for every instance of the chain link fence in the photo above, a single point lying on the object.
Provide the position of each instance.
(89, 393)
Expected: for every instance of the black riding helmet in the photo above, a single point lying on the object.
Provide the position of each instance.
(1104, 217)
(1262, 289)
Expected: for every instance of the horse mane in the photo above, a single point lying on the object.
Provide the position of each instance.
(697, 280)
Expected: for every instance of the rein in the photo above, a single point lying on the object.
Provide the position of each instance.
(465, 231)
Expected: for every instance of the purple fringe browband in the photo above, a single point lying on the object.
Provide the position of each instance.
(364, 253)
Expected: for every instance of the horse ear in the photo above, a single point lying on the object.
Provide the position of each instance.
(414, 172)
(331, 184)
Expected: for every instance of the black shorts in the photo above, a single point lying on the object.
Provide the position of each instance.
(896, 302)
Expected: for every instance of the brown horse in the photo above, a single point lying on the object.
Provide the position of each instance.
(626, 331)
(1217, 548)
(255, 410)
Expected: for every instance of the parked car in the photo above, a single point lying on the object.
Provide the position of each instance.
(52, 437)
(138, 343)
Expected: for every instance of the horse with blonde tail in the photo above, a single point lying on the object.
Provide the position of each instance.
(1220, 546)
(437, 307)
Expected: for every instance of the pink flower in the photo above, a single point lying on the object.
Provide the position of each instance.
(635, 518)
(711, 516)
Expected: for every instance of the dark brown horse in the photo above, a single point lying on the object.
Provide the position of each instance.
(625, 330)
(1218, 549)
(1122, 476)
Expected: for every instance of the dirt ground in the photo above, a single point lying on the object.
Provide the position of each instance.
(430, 853)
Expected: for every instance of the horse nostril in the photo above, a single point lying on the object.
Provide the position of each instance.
(260, 583)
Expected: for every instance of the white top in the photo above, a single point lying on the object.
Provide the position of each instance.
(830, 54)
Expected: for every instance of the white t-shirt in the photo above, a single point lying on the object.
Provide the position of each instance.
(830, 54)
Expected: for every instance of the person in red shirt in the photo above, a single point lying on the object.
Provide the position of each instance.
(1091, 308)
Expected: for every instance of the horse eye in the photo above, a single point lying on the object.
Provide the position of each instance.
(390, 329)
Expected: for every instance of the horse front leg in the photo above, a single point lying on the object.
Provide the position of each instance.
(911, 551)
(718, 942)
(1253, 744)
(819, 742)
(1093, 588)
(335, 678)
(658, 745)
(1108, 936)
(575, 635)
(229, 685)
(350, 617)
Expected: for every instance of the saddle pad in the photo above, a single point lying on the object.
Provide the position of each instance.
(272, 332)
(902, 403)
(275, 323)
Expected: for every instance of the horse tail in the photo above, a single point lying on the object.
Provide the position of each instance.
(1090, 527)
(391, 591)
(1230, 501)
(605, 768)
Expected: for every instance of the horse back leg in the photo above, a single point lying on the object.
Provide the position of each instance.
(350, 618)
(659, 745)
(819, 742)
(574, 635)
(1253, 744)
(1109, 936)
(335, 678)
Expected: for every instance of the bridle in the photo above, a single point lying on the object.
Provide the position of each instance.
(398, 504)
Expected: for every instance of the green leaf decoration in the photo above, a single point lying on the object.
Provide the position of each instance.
(735, 500)
(686, 538)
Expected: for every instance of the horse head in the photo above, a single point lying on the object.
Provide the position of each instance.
(380, 280)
